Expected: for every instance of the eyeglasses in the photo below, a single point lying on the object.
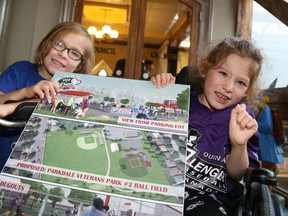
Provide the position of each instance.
(73, 54)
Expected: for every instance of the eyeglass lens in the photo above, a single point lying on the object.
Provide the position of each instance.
(73, 54)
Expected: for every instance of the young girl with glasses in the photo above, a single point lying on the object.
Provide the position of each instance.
(223, 138)
(68, 47)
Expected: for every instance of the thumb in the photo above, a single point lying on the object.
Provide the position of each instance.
(172, 78)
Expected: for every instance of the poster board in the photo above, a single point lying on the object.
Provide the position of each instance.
(117, 137)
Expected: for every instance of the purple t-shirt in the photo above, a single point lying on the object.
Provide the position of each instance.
(207, 148)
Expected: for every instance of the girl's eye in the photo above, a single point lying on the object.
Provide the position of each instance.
(223, 73)
(242, 83)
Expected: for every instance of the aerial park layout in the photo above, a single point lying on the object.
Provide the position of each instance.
(114, 136)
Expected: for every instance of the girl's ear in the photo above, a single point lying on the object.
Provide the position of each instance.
(202, 68)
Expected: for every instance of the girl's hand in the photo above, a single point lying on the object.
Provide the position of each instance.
(163, 79)
(242, 126)
(43, 89)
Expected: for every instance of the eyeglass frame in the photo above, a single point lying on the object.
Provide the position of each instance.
(68, 50)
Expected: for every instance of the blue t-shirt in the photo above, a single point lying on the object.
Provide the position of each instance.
(17, 76)
(207, 148)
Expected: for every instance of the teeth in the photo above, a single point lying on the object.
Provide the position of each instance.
(221, 95)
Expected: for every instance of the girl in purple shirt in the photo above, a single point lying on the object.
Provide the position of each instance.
(223, 137)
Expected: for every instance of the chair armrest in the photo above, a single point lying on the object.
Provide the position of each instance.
(20, 115)
(9, 123)
(262, 176)
(22, 112)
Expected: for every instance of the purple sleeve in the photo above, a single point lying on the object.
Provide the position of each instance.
(253, 147)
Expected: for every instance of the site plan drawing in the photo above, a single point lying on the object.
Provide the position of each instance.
(112, 136)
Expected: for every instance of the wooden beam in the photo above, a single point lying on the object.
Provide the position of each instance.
(135, 45)
(78, 11)
(180, 34)
(194, 34)
(279, 8)
(194, 22)
(244, 19)
(188, 3)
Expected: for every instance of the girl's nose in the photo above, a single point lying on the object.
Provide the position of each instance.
(64, 53)
(228, 85)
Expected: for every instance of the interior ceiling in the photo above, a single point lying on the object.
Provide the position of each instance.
(159, 18)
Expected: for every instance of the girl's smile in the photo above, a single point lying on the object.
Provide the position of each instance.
(226, 85)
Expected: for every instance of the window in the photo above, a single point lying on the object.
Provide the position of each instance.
(271, 35)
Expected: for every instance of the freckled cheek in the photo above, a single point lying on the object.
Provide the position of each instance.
(72, 66)
(52, 52)
(212, 83)
(239, 95)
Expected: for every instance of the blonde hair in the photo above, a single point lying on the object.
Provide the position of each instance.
(60, 30)
(244, 49)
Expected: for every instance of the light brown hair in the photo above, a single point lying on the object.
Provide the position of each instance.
(60, 30)
(245, 49)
